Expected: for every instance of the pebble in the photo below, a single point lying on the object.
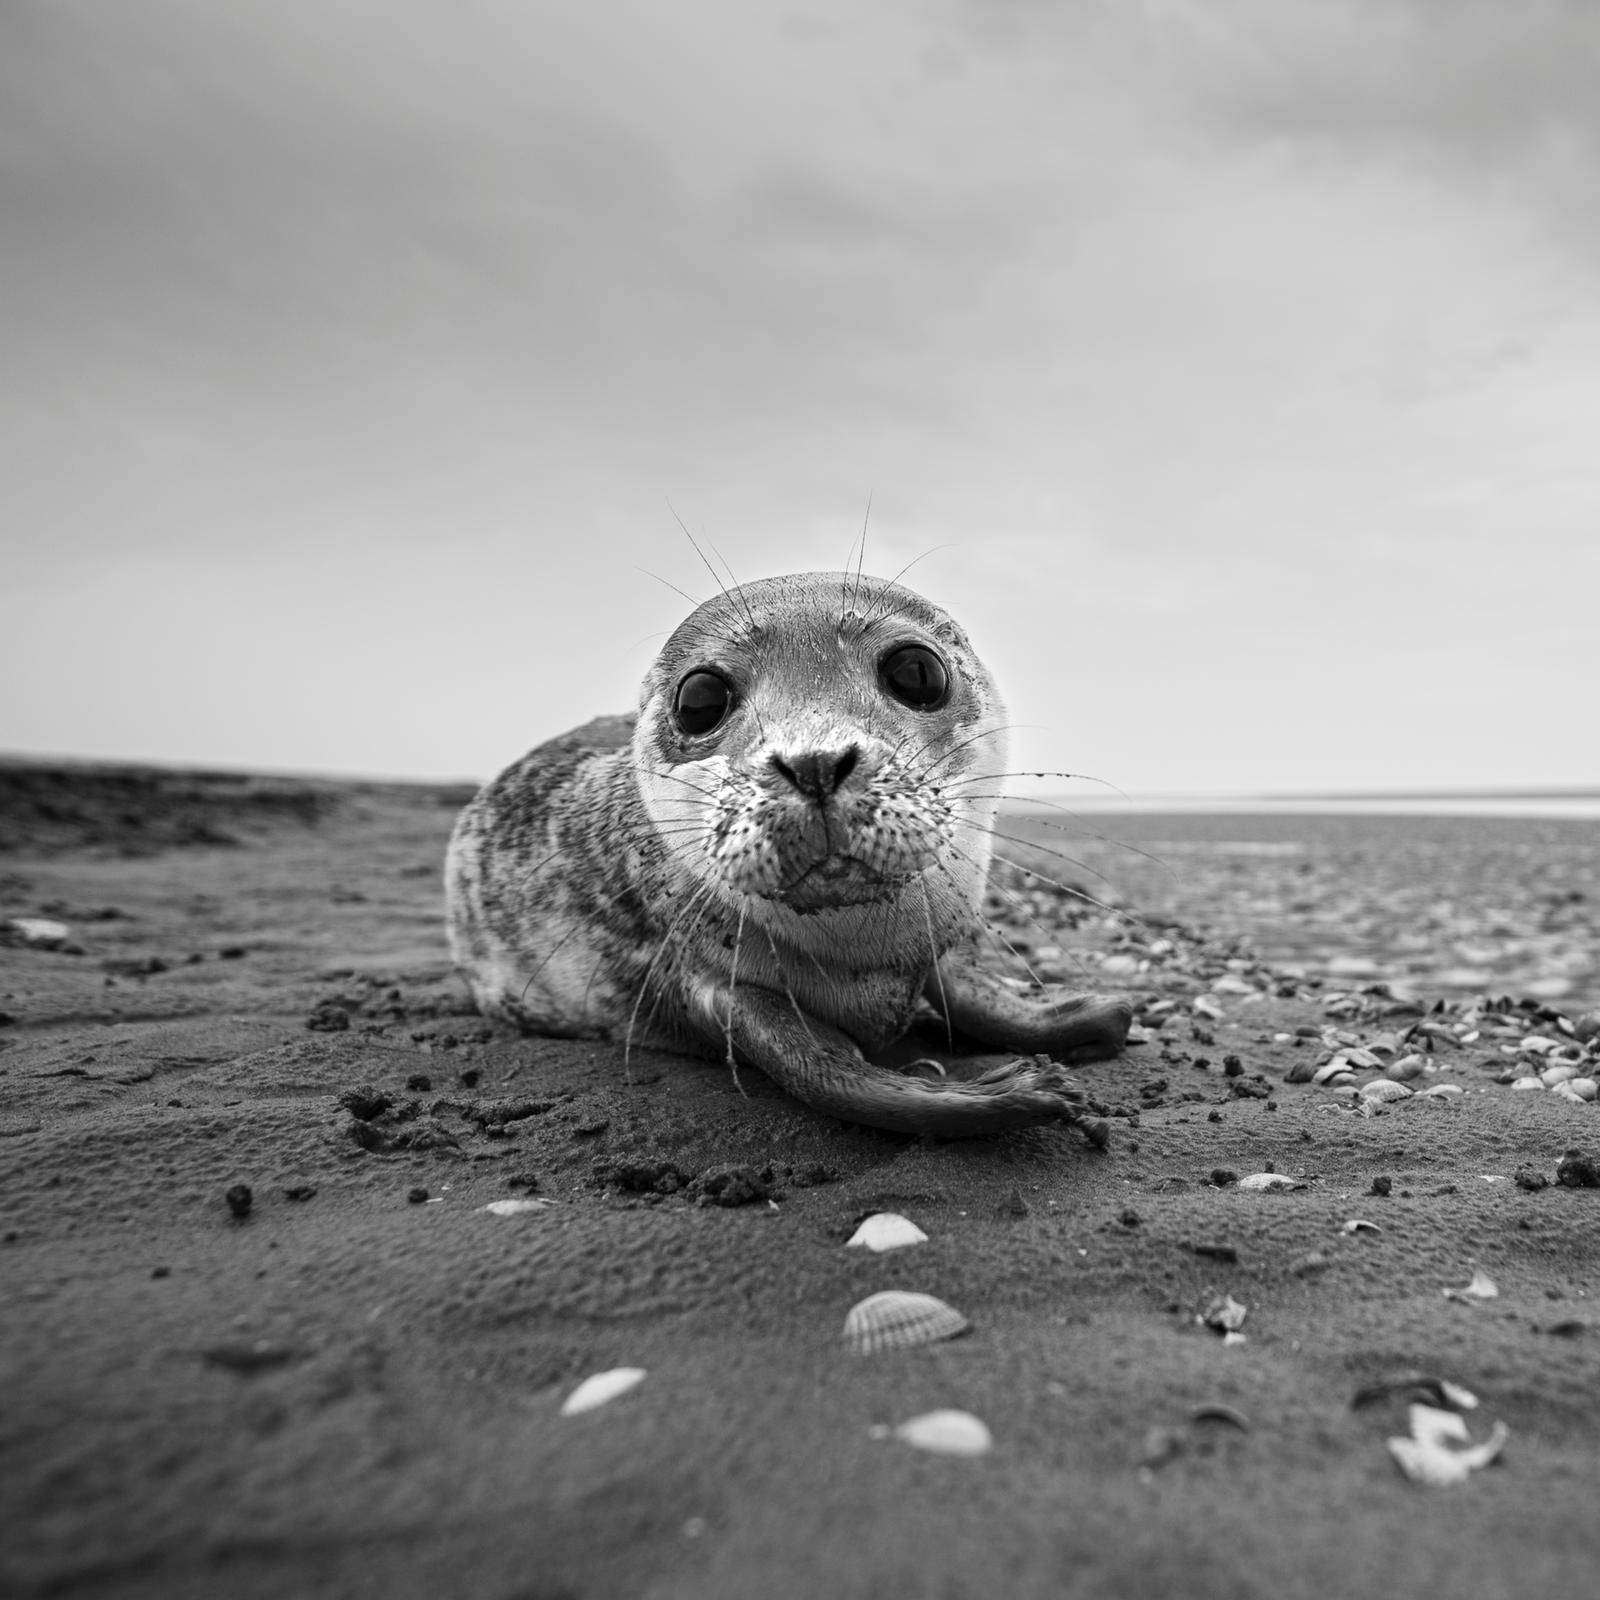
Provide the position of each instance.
(239, 1200)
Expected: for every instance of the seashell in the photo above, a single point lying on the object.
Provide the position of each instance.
(1406, 1068)
(600, 1389)
(516, 1208)
(1566, 1092)
(1537, 1044)
(1223, 1313)
(886, 1230)
(947, 1433)
(1362, 1058)
(1269, 1180)
(1482, 1287)
(1583, 1088)
(1527, 1083)
(1440, 1451)
(1360, 1225)
(898, 1319)
(1382, 1090)
(1551, 1076)
(1205, 1006)
(1338, 1067)
(1439, 1091)
(41, 932)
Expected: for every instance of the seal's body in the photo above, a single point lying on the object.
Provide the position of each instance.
(780, 859)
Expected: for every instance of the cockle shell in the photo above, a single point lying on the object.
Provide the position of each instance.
(1269, 1180)
(898, 1319)
(1406, 1068)
(601, 1388)
(886, 1230)
(947, 1433)
(1382, 1090)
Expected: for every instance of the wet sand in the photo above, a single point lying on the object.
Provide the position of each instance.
(353, 1388)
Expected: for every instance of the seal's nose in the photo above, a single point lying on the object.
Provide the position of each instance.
(818, 773)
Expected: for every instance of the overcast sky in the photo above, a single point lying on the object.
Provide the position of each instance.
(1237, 363)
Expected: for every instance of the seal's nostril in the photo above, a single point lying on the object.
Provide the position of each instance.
(818, 773)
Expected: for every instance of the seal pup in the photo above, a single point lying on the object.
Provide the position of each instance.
(780, 859)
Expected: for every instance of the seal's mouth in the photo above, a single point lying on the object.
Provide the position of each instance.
(836, 880)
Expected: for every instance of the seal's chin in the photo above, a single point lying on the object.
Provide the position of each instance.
(834, 881)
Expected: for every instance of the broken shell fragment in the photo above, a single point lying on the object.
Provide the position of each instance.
(886, 1230)
(1383, 1090)
(1527, 1083)
(947, 1433)
(1551, 1076)
(898, 1319)
(600, 1389)
(1482, 1287)
(1440, 1091)
(1584, 1088)
(1223, 1314)
(1269, 1180)
(516, 1208)
(1440, 1451)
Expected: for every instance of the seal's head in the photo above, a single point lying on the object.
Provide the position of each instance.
(820, 742)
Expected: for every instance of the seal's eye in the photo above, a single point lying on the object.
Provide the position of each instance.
(915, 676)
(702, 701)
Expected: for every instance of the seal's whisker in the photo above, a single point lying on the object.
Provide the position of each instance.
(733, 999)
(1028, 844)
(693, 903)
(669, 583)
(783, 973)
(933, 956)
(1081, 777)
(861, 555)
(883, 593)
(734, 596)
(932, 769)
(1083, 831)
(988, 926)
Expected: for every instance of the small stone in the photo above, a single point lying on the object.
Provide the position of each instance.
(329, 1017)
(1527, 1178)
(1578, 1171)
(1383, 1186)
(1221, 1177)
(417, 1196)
(1232, 1066)
(419, 1083)
(239, 1200)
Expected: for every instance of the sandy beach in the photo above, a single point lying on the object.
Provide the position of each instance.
(263, 1336)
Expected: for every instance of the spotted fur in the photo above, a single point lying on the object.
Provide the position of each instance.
(785, 890)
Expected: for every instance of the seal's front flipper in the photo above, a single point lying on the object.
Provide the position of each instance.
(823, 1067)
(1075, 1027)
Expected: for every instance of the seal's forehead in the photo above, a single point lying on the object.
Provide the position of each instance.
(823, 603)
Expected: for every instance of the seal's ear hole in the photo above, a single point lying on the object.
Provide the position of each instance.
(702, 701)
(915, 676)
